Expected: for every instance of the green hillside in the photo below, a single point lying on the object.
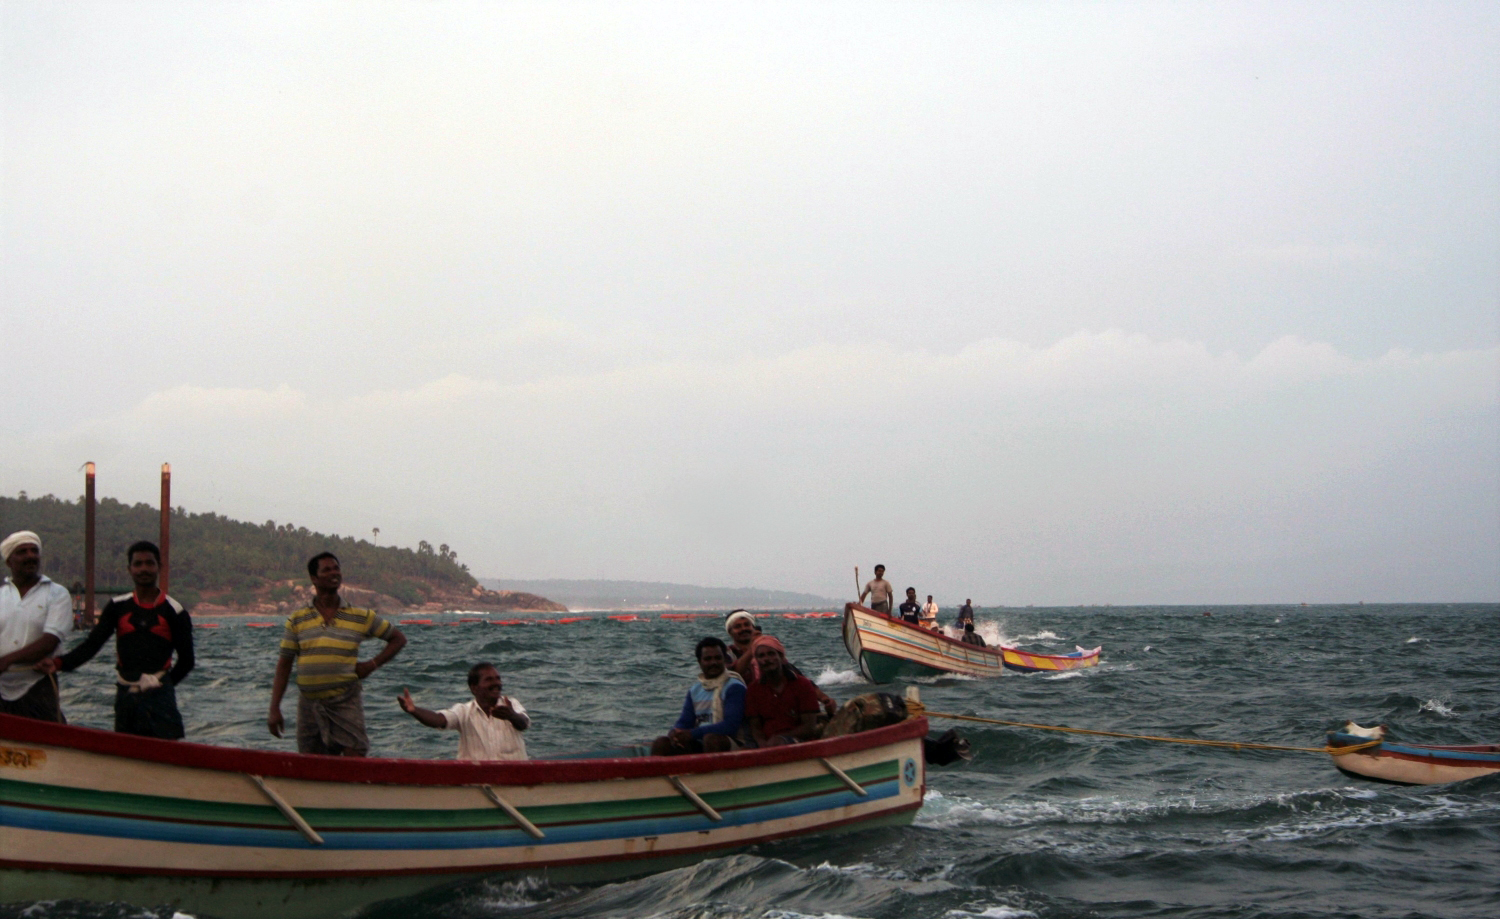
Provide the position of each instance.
(214, 553)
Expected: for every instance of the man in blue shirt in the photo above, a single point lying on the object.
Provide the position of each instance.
(713, 710)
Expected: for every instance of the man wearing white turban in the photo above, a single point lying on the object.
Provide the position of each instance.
(35, 614)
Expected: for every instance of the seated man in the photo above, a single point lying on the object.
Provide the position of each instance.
(782, 707)
(713, 710)
(911, 610)
(742, 630)
(740, 657)
(489, 726)
(970, 637)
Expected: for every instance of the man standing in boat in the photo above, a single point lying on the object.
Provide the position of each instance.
(150, 628)
(911, 610)
(930, 613)
(965, 614)
(35, 614)
(323, 640)
(879, 591)
(489, 726)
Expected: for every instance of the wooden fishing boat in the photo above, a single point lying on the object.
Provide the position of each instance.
(102, 816)
(1409, 764)
(887, 648)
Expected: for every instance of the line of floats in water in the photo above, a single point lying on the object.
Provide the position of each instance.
(552, 620)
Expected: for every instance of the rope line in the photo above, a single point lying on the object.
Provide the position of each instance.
(1231, 744)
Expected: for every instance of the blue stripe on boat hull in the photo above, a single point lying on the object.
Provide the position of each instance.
(162, 831)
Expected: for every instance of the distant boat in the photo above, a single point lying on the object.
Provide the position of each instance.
(1409, 764)
(96, 815)
(887, 648)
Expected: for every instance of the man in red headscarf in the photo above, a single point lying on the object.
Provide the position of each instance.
(782, 706)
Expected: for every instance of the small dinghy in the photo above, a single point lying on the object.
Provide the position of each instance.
(1409, 764)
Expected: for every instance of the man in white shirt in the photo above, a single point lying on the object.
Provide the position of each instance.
(35, 614)
(489, 727)
(929, 613)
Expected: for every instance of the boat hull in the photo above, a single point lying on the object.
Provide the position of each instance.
(1414, 764)
(887, 649)
(99, 816)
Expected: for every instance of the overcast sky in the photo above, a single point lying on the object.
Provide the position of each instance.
(1033, 302)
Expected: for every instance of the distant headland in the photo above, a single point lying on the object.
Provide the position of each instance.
(656, 595)
(219, 565)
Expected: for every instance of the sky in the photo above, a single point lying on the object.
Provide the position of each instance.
(1034, 303)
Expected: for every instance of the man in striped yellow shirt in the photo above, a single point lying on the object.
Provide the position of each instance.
(323, 640)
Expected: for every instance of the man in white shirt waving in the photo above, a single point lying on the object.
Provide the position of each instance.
(489, 727)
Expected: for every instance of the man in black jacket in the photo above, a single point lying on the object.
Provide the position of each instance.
(150, 628)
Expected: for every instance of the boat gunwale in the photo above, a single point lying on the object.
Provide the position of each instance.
(998, 651)
(416, 772)
(1412, 751)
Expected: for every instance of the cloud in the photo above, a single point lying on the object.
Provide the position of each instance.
(1087, 463)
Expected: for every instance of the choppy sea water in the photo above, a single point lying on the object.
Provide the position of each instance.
(1042, 824)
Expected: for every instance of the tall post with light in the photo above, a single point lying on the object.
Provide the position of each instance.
(166, 523)
(88, 544)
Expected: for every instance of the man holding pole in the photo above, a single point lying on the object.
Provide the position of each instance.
(879, 591)
(323, 640)
(35, 614)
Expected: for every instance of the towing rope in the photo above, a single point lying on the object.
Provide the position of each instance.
(920, 709)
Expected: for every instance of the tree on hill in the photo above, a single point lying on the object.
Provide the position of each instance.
(210, 552)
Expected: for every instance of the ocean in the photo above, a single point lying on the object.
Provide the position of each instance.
(1039, 824)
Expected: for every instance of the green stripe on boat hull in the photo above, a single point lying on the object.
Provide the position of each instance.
(882, 668)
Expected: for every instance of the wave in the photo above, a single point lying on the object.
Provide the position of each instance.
(1287, 815)
(1437, 707)
(832, 677)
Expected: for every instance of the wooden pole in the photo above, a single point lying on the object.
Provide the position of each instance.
(166, 523)
(858, 588)
(88, 545)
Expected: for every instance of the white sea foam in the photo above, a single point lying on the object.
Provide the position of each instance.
(519, 894)
(858, 869)
(1413, 640)
(991, 912)
(1318, 820)
(832, 677)
(1437, 707)
(793, 914)
(1066, 675)
(950, 811)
